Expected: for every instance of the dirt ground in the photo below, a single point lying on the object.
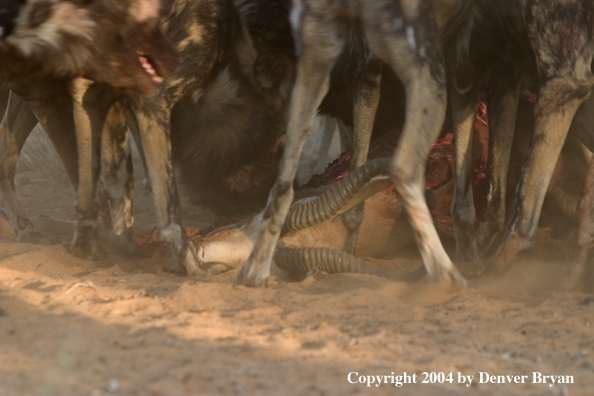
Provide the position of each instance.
(74, 327)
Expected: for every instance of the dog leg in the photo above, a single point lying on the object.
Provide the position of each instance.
(367, 96)
(116, 217)
(551, 126)
(153, 120)
(464, 99)
(502, 107)
(321, 40)
(566, 81)
(17, 124)
(413, 50)
(51, 103)
(91, 102)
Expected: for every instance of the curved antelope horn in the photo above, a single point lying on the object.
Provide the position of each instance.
(301, 260)
(340, 197)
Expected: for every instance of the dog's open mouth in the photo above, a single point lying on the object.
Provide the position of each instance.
(149, 67)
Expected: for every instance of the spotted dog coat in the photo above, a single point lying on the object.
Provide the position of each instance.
(405, 35)
(50, 101)
(492, 42)
(67, 38)
(43, 44)
(552, 39)
(200, 32)
(227, 128)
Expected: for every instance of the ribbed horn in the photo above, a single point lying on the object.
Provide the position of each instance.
(340, 197)
(301, 260)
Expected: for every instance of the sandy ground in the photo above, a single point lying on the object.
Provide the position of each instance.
(73, 327)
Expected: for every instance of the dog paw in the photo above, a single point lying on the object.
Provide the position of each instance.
(456, 279)
(87, 248)
(451, 277)
(251, 278)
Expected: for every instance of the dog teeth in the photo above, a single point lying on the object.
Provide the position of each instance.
(150, 70)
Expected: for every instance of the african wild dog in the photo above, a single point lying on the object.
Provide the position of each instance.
(237, 175)
(405, 35)
(227, 140)
(512, 39)
(227, 151)
(45, 44)
(118, 42)
(216, 63)
(205, 33)
(491, 43)
(116, 194)
(229, 160)
(228, 155)
(68, 38)
(227, 143)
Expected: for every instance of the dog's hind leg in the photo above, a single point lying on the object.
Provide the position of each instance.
(367, 96)
(566, 81)
(502, 107)
(91, 103)
(407, 39)
(320, 40)
(464, 100)
(51, 104)
(17, 124)
(115, 216)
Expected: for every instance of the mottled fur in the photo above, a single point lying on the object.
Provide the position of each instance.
(202, 32)
(67, 38)
(405, 35)
(554, 40)
(43, 45)
(211, 24)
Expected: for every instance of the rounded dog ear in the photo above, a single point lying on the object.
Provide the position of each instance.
(144, 10)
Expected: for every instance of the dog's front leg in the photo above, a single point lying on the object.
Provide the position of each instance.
(321, 41)
(554, 111)
(51, 104)
(116, 196)
(502, 107)
(464, 100)
(566, 80)
(91, 102)
(152, 120)
(17, 124)
(413, 50)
